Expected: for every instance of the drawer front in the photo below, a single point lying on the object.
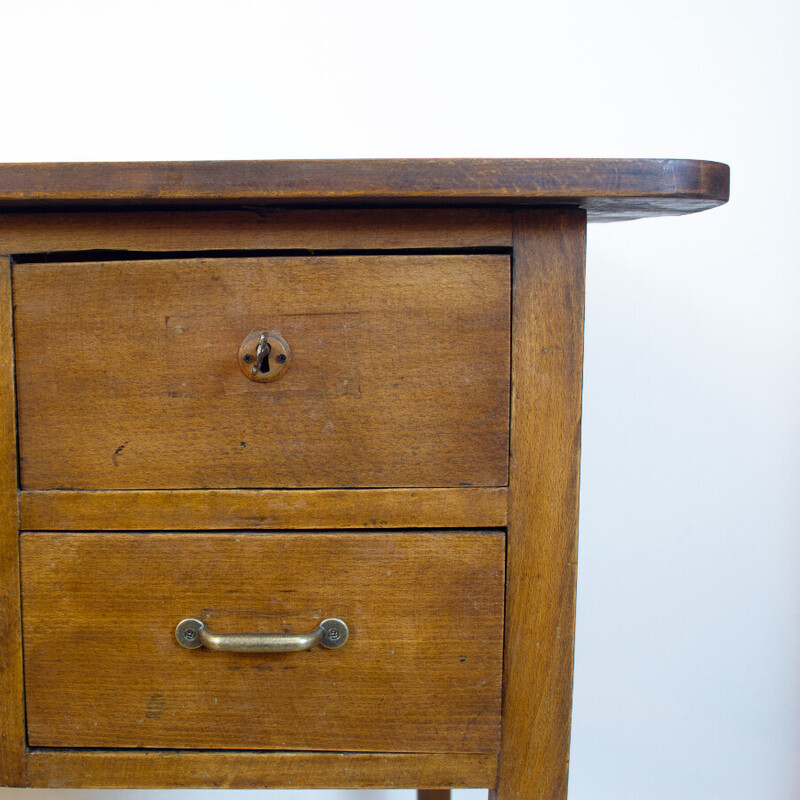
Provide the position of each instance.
(128, 373)
(420, 671)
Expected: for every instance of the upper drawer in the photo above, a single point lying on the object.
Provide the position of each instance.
(128, 372)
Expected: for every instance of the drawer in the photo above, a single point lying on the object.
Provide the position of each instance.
(420, 671)
(129, 373)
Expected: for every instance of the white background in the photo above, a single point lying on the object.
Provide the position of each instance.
(687, 673)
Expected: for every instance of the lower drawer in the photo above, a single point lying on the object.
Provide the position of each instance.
(420, 671)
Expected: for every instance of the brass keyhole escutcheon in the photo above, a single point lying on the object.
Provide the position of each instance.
(264, 356)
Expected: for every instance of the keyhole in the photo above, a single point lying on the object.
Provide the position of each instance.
(256, 351)
(264, 366)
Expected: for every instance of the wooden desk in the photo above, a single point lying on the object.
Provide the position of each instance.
(247, 397)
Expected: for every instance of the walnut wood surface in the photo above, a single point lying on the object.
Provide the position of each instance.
(254, 229)
(160, 769)
(241, 509)
(433, 590)
(547, 358)
(607, 188)
(399, 374)
(12, 714)
(421, 671)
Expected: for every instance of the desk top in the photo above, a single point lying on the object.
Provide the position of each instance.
(609, 189)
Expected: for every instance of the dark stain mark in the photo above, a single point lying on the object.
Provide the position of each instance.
(114, 458)
(243, 444)
(462, 659)
(155, 707)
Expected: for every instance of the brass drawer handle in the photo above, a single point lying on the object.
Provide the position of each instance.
(192, 633)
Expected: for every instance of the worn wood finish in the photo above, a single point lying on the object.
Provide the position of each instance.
(608, 188)
(129, 382)
(399, 374)
(159, 769)
(547, 360)
(421, 671)
(240, 509)
(12, 712)
(256, 229)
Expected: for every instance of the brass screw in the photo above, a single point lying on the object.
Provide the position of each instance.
(189, 634)
(247, 358)
(282, 358)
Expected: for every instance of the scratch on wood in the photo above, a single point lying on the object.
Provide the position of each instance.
(116, 453)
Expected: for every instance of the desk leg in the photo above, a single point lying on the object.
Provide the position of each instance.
(433, 794)
(546, 372)
(12, 712)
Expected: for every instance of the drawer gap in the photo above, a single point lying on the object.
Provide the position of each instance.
(80, 256)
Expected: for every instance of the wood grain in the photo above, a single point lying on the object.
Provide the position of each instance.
(122, 387)
(12, 713)
(547, 358)
(607, 188)
(421, 671)
(240, 509)
(160, 769)
(254, 229)
(399, 375)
